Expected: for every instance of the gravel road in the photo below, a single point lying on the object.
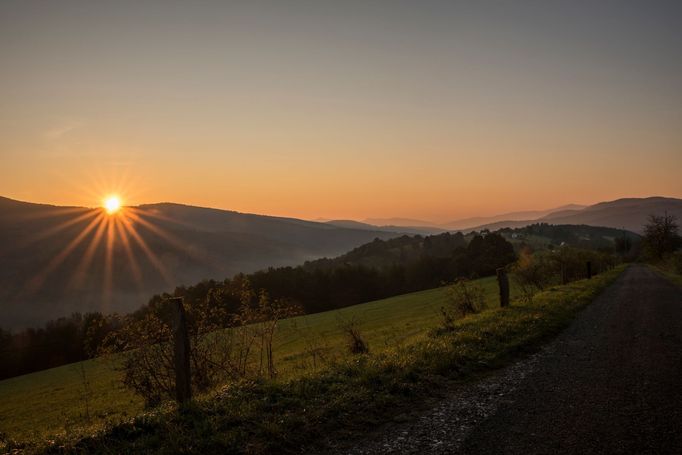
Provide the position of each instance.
(609, 384)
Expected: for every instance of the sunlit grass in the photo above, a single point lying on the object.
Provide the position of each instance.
(53, 401)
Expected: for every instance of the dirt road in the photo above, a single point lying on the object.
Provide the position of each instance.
(611, 383)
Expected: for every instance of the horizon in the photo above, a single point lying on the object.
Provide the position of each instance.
(369, 220)
(435, 111)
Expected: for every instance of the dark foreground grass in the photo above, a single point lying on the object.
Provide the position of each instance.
(352, 395)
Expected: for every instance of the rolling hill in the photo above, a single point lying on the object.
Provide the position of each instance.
(51, 265)
(468, 223)
(628, 213)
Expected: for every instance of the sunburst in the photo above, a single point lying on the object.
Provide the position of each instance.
(110, 223)
(112, 204)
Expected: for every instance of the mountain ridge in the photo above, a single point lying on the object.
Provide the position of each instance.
(46, 271)
(623, 213)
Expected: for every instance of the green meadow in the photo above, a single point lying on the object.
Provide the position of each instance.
(87, 394)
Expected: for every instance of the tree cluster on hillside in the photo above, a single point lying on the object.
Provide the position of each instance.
(581, 236)
(399, 266)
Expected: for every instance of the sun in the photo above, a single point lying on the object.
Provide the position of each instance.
(112, 204)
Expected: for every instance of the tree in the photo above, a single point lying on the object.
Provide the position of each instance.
(661, 235)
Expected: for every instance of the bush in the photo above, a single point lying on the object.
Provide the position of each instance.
(447, 320)
(216, 356)
(355, 339)
(465, 297)
(534, 272)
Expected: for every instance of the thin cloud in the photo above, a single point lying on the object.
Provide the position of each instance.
(63, 129)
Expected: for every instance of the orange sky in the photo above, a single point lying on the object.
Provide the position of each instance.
(434, 112)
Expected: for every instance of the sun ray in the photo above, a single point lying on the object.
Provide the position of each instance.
(153, 258)
(36, 282)
(159, 216)
(79, 275)
(125, 241)
(52, 213)
(58, 228)
(172, 240)
(158, 231)
(108, 263)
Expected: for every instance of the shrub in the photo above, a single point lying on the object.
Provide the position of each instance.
(534, 272)
(447, 320)
(465, 297)
(355, 339)
(216, 355)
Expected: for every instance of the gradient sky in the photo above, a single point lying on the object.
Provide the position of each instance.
(347, 109)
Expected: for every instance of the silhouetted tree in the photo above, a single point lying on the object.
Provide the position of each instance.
(660, 235)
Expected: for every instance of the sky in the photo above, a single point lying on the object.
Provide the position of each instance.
(432, 110)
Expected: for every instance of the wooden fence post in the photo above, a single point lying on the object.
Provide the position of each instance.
(181, 353)
(503, 283)
(589, 270)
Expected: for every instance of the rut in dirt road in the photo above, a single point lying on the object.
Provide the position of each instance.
(611, 383)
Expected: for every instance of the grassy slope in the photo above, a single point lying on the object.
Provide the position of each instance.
(51, 402)
(354, 393)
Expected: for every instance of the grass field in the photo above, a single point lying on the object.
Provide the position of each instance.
(53, 402)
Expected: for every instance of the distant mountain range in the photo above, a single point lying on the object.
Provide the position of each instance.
(51, 265)
(39, 281)
(404, 229)
(628, 213)
(468, 223)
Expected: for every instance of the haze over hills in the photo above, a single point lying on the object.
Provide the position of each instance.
(399, 222)
(406, 229)
(467, 223)
(627, 213)
(39, 281)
